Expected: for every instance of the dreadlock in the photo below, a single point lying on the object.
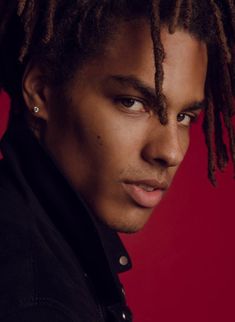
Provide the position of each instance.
(61, 35)
(158, 57)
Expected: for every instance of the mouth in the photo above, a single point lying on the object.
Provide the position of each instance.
(145, 193)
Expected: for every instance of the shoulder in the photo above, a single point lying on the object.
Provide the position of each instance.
(40, 277)
(11, 193)
(16, 270)
(14, 216)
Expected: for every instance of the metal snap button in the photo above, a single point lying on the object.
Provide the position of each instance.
(123, 260)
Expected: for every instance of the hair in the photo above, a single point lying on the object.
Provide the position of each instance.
(62, 34)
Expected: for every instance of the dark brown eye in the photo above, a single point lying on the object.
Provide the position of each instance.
(132, 104)
(185, 119)
(127, 102)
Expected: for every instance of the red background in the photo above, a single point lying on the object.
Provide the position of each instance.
(184, 259)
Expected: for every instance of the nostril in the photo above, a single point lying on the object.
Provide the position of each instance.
(161, 162)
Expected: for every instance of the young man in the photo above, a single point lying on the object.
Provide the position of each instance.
(103, 96)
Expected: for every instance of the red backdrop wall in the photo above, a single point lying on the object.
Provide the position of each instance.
(184, 259)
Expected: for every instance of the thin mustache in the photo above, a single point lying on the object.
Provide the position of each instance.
(159, 174)
(160, 184)
(161, 177)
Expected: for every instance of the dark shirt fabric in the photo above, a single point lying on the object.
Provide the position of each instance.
(58, 263)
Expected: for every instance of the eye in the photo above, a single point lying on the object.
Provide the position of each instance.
(186, 119)
(131, 104)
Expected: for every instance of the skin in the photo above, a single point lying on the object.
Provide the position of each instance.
(103, 131)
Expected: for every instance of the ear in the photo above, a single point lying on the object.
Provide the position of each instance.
(36, 92)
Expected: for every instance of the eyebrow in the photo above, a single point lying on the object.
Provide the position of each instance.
(149, 92)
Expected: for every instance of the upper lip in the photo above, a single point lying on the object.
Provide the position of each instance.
(155, 184)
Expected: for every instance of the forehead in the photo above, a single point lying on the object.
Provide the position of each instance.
(130, 53)
(131, 47)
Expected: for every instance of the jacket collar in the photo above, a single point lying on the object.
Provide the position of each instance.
(66, 209)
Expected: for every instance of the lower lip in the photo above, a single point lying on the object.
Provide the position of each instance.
(146, 199)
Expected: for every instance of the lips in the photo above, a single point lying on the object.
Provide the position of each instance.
(146, 193)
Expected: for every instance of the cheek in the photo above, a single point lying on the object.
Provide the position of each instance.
(111, 148)
(108, 137)
(184, 140)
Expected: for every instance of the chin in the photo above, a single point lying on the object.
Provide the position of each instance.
(130, 222)
(129, 230)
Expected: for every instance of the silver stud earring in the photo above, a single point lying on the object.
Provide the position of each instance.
(36, 109)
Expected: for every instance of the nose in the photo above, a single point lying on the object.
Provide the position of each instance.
(166, 146)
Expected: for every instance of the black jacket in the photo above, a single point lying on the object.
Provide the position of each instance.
(57, 262)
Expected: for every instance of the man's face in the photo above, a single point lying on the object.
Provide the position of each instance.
(107, 139)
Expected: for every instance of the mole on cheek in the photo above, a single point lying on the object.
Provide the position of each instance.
(99, 140)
